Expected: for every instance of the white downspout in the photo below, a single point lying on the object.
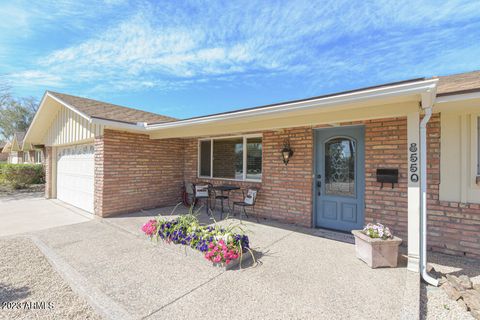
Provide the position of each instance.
(427, 104)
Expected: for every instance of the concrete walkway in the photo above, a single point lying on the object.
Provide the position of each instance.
(27, 212)
(299, 276)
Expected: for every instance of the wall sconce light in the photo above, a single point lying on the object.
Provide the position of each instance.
(287, 151)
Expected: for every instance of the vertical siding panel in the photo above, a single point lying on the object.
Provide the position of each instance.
(51, 131)
(80, 129)
(64, 129)
(72, 131)
(60, 128)
(64, 126)
(57, 129)
(67, 126)
(55, 132)
(89, 128)
(84, 129)
(75, 127)
(52, 128)
(72, 126)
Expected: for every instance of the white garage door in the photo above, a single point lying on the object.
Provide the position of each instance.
(75, 176)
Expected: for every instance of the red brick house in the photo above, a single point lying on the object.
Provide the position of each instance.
(343, 145)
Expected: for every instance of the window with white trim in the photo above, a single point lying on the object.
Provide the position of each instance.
(38, 156)
(478, 146)
(234, 158)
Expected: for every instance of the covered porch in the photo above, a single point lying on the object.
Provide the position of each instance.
(383, 127)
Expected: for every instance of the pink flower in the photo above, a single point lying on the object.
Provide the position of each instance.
(150, 228)
(217, 259)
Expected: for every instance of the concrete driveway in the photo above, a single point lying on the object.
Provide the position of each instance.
(299, 276)
(27, 212)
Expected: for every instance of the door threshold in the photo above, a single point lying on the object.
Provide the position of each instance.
(342, 236)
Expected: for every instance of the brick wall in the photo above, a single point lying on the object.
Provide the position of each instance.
(285, 191)
(133, 172)
(453, 228)
(386, 147)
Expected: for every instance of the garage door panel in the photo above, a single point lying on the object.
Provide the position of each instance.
(75, 176)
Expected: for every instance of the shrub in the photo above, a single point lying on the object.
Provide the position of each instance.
(22, 175)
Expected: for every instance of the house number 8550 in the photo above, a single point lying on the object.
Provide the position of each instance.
(413, 162)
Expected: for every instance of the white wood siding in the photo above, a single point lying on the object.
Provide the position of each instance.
(69, 127)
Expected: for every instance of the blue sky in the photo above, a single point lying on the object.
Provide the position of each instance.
(188, 58)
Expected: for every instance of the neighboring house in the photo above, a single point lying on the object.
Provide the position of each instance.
(3, 155)
(109, 159)
(17, 152)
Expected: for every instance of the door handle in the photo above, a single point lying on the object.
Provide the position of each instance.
(319, 187)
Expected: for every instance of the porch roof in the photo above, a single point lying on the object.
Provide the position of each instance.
(391, 100)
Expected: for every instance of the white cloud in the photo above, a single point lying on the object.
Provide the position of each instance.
(33, 78)
(167, 46)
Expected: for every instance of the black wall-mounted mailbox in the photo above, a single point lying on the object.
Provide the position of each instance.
(387, 176)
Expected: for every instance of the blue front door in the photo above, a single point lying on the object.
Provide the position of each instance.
(340, 178)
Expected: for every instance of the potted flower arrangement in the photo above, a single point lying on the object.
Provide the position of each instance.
(219, 245)
(377, 246)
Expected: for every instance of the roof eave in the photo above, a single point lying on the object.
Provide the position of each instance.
(411, 88)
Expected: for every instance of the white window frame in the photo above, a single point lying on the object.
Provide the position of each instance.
(38, 156)
(478, 145)
(244, 175)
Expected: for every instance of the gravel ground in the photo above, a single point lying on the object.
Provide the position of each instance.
(29, 282)
(435, 304)
(6, 190)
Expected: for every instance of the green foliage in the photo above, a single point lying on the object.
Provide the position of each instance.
(16, 114)
(21, 175)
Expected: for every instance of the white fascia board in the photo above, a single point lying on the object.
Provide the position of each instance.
(458, 97)
(417, 87)
(42, 105)
(120, 125)
(68, 106)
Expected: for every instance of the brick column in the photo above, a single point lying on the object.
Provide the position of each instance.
(99, 175)
(48, 172)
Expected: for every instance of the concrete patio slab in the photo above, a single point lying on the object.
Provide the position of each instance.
(26, 212)
(298, 275)
(134, 273)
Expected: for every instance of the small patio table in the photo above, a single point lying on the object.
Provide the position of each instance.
(222, 197)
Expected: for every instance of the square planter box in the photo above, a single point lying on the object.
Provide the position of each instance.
(376, 252)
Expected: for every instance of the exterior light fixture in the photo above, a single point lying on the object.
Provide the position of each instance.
(287, 151)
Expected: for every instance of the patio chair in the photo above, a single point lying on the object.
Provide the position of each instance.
(249, 200)
(188, 194)
(203, 192)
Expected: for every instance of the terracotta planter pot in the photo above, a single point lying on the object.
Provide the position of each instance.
(376, 252)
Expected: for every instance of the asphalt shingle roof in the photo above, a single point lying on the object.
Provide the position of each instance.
(20, 135)
(104, 110)
(452, 84)
(457, 83)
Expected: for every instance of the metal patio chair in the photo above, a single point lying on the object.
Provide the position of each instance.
(249, 200)
(203, 193)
